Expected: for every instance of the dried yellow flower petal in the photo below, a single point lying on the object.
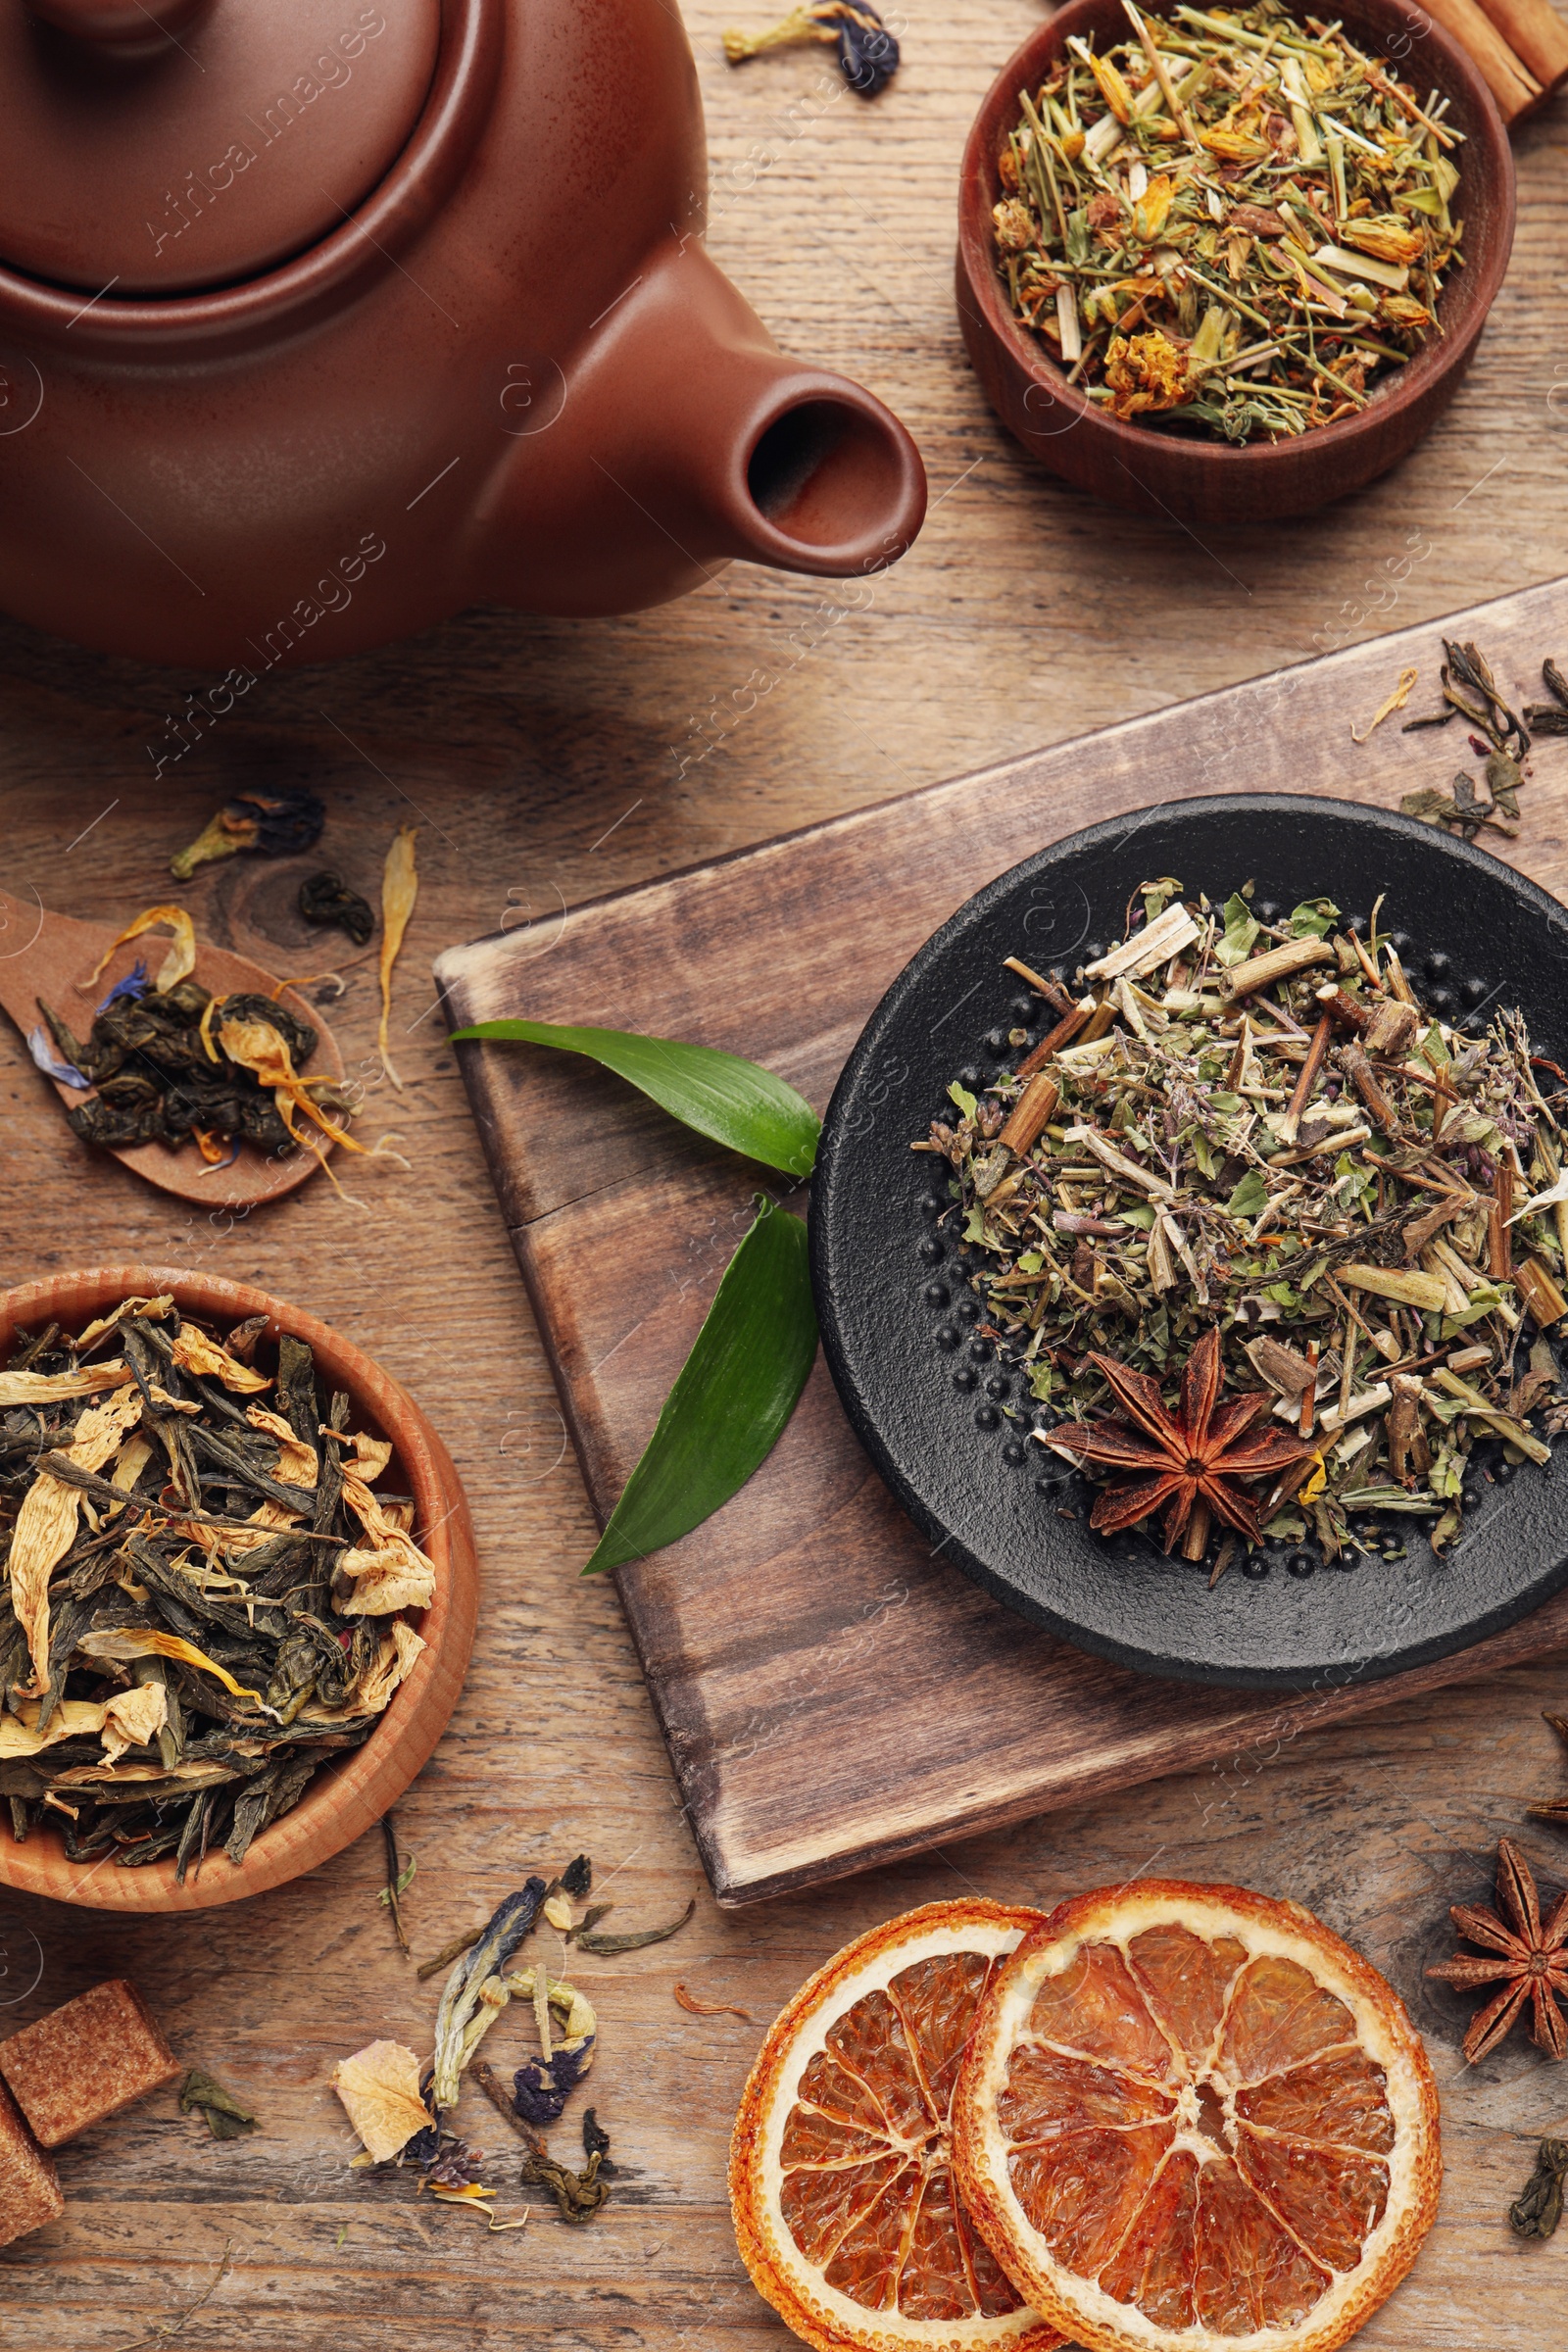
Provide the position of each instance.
(178, 964)
(123, 1643)
(194, 1352)
(1153, 207)
(43, 1387)
(400, 887)
(379, 2087)
(296, 1461)
(46, 1524)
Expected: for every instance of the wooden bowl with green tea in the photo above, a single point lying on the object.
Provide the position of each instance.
(242, 1590)
(1226, 267)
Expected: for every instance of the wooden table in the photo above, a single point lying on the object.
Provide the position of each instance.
(546, 763)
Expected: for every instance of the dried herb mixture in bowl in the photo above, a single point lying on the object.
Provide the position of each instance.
(207, 1597)
(1277, 1244)
(1234, 222)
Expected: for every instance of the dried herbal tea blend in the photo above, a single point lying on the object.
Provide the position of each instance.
(1235, 222)
(1277, 1245)
(166, 1059)
(206, 1599)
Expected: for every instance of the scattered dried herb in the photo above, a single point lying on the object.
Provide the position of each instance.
(326, 900)
(379, 2087)
(474, 1994)
(542, 2085)
(1527, 1956)
(696, 2008)
(277, 825)
(1549, 718)
(225, 2118)
(606, 1947)
(1537, 2209)
(1231, 223)
(449, 1952)
(1246, 1135)
(578, 2196)
(400, 887)
(398, 1877)
(205, 1602)
(868, 54)
(596, 2141)
(1394, 701)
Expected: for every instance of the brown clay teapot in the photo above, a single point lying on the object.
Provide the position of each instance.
(322, 318)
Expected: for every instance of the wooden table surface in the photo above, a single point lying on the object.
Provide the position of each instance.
(544, 765)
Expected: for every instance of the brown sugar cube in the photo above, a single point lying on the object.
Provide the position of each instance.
(85, 2061)
(29, 2192)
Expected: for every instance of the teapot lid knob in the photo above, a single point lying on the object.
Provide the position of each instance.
(128, 28)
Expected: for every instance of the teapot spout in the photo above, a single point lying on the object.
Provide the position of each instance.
(681, 438)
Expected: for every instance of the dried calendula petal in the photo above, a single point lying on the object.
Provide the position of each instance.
(379, 2087)
(120, 1643)
(178, 964)
(47, 1520)
(46, 1388)
(400, 887)
(194, 1352)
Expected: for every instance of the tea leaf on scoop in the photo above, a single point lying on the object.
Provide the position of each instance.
(731, 1100)
(731, 1399)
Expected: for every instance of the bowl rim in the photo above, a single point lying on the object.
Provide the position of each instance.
(339, 1807)
(1472, 290)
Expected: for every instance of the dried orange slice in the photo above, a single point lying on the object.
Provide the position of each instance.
(1192, 2117)
(839, 2170)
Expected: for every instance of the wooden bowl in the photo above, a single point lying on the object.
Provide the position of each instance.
(1153, 469)
(345, 1799)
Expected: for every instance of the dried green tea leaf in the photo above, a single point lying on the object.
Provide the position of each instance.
(606, 1947)
(226, 2118)
(731, 1399)
(731, 1100)
(326, 900)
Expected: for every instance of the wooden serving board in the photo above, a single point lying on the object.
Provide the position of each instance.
(832, 1694)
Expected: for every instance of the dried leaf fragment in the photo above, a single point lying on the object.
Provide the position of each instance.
(379, 2087)
(225, 2118)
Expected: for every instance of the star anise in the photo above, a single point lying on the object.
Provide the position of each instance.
(1530, 1957)
(1190, 1461)
(1554, 1809)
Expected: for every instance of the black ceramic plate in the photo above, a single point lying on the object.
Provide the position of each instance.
(946, 1425)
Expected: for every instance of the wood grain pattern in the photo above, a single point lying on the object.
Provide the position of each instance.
(791, 1644)
(548, 762)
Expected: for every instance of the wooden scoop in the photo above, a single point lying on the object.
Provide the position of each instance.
(50, 956)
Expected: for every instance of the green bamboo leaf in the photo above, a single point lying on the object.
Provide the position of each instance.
(735, 1392)
(732, 1100)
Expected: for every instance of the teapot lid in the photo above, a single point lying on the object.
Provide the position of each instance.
(159, 149)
